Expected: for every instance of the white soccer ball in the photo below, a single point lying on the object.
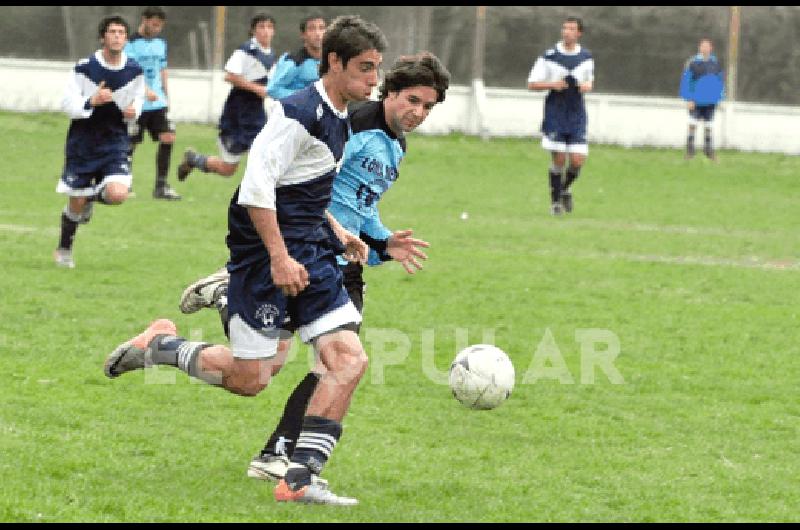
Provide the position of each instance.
(481, 376)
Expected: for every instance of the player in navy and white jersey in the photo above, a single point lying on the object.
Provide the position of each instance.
(567, 71)
(702, 87)
(104, 94)
(299, 69)
(148, 49)
(370, 166)
(283, 248)
(248, 69)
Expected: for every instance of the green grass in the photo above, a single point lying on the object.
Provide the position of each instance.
(692, 266)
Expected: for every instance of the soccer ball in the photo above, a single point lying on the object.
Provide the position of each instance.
(481, 376)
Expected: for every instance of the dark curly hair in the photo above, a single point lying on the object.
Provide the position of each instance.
(423, 69)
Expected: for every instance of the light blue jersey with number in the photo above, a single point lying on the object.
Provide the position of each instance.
(151, 54)
(369, 168)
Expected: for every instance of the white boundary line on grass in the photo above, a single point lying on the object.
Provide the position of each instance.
(750, 262)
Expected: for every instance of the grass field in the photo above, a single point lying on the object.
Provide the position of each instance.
(693, 267)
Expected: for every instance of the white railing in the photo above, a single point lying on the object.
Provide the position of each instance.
(198, 95)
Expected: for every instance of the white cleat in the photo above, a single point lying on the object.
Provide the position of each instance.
(268, 467)
(63, 258)
(202, 293)
(315, 493)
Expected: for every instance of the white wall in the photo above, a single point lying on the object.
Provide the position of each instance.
(623, 120)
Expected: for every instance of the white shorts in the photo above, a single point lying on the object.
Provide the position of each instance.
(249, 343)
(563, 147)
(227, 157)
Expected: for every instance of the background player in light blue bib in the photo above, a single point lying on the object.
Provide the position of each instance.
(702, 87)
(567, 72)
(150, 51)
(299, 69)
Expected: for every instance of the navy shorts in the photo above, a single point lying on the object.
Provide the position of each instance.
(82, 179)
(702, 113)
(153, 121)
(257, 309)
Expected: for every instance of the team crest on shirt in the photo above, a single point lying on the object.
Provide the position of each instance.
(267, 314)
(319, 111)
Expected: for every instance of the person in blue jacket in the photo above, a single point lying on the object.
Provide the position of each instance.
(296, 70)
(703, 88)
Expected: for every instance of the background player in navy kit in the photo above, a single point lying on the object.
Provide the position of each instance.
(283, 261)
(243, 115)
(150, 51)
(411, 88)
(702, 87)
(299, 69)
(104, 94)
(567, 71)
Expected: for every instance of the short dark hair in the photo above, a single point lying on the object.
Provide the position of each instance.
(423, 69)
(111, 19)
(348, 36)
(576, 20)
(308, 19)
(260, 17)
(154, 12)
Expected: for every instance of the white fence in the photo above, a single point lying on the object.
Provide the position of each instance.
(198, 95)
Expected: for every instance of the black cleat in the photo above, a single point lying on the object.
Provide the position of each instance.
(566, 201)
(186, 166)
(167, 193)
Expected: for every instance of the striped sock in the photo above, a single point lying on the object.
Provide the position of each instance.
(316, 442)
(184, 355)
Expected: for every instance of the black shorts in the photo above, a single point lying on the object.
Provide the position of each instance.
(155, 122)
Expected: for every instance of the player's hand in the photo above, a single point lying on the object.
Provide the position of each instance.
(405, 249)
(356, 251)
(691, 106)
(585, 87)
(289, 276)
(150, 95)
(560, 85)
(102, 96)
(129, 113)
(261, 91)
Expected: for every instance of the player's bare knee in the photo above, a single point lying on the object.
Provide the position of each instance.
(116, 194)
(248, 377)
(167, 138)
(226, 169)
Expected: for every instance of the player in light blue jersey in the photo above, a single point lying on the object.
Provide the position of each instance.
(283, 248)
(567, 72)
(248, 69)
(105, 93)
(299, 69)
(370, 166)
(150, 51)
(702, 87)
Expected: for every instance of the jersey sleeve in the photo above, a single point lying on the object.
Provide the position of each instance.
(78, 91)
(685, 90)
(538, 72)
(273, 151)
(281, 79)
(235, 64)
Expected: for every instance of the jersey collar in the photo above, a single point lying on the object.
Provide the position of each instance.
(563, 51)
(123, 60)
(255, 44)
(324, 95)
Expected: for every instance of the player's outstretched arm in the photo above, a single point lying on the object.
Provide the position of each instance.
(356, 250)
(405, 249)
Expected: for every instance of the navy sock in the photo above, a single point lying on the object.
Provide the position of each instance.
(315, 443)
(572, 175)
(284, 437)
(199, 161)
(555, 184)
(162, 163)
(707, 145)
(68, 229)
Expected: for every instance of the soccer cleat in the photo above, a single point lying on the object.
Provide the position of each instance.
(556, 209)
(165, 192)
(186, 166)
(201, 293)
(63, 258)
(134, 354)
(315, 493)
(268, 467)
(566, 201)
